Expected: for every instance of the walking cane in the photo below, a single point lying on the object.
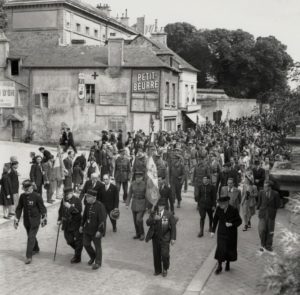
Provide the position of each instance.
(56, 242)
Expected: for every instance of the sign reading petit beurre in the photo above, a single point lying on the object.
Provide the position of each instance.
(145, 81)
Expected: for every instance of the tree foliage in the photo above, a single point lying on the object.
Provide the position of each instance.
(240, 64)
(3, 17)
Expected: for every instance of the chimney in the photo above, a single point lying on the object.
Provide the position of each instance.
(4, 49)
(160, 37)
(105, 8)
(140, 25)
(115, 52)
(125, 19)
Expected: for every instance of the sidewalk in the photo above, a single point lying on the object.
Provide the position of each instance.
(245, 273)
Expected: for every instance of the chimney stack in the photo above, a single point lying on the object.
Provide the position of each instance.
(105, 8)
(125, 19)
(159, 36)
(140, 25)
(115, 52)
(4, 49)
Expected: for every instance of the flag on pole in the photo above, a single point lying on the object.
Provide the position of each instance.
(152, 191)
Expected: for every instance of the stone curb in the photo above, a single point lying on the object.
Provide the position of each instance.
(201, 277)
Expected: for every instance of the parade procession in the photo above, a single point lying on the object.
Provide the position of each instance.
(145, 160)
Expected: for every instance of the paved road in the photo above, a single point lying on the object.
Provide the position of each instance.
(127, 264)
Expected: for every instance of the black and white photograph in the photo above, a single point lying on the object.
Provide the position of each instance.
(149, 147)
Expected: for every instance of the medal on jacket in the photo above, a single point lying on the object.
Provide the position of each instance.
(88, 221)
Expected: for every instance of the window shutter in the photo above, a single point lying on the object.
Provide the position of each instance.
(37, 100)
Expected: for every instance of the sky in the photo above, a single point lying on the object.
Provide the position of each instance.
(280, 18)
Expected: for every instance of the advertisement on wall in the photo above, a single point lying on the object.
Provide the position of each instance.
(81, 86)
(145, 88)
(145, 81)
(7, 94)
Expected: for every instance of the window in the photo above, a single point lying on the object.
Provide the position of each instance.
(168, 93)
(41, 100)
(112, 34)
(87, 30)
(96, 33)
(44, 100)
(170, 124)
(116, 124)
(14, 67)
(173, 94)
(21, 98)
(187, 93)
(171, 61)
(90, 93)
(78, 27)
(193, 93)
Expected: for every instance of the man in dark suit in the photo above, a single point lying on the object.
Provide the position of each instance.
(34, 214)
(91, 184)
(47, 154)
(70, 142)
(166, 193)
(68, 163)
(81, 161)
(37, 175)
(69, 215)
(163, 233)
(268, 203)
(14, 179)
(258, 175)
(109, 196)
(93, 228)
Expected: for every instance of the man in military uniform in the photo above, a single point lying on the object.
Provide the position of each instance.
(162, 231)
(69, 215)
(177, 176)
(34, 214)
(122, 173)
(137, 192)
(93, 228)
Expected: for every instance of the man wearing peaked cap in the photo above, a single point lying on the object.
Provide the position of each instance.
(69, 215)
(34, 214)
(93, 228)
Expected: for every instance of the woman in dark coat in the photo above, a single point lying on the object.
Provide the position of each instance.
(6, 195)
(228, 219)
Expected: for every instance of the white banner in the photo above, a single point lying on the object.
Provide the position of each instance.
(7, 94)
(81, 86)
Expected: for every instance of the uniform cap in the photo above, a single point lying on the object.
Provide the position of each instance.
(91, 193)
(68, 190)
(26, 183)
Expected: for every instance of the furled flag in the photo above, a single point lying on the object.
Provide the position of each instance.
(152, 191)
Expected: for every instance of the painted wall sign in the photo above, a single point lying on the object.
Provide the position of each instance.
(145, 81)
(81, 86)
(7, 94)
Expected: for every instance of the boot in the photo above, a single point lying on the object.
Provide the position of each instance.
(201, 228)
(219, 269)
(227, 267)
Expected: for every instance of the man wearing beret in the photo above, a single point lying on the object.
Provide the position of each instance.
(34, 214)
(69, 215)
(162, 231)
(122, 173)
(137, 193)
(93, 228)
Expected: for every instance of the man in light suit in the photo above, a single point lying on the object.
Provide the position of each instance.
(268, 203)
(234, 193)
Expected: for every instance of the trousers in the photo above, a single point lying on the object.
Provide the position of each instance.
(93, 253)
(266, 228)
(138, 222)
(125, 188)
(32, 243)
(176, 187)
(74, 239)
(161, 255)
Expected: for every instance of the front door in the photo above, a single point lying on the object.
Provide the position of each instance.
(17, 128)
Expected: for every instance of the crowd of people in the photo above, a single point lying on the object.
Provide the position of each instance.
(228, 164)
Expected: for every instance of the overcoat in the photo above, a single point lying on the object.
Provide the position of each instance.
(226, 236)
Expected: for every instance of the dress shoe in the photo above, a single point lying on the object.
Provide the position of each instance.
(270, 249)
(142, 237)
(75, 260)
(157, 273)
(95, 266)
(91, 261)
(245, 228)
(6, 217)
(261, 249)
(164, 273)
(28, 260)
(136, 237)
(35, 252)
(178, 205)
(115, 230)
(218, 270)
(227, 267)
(200, 235)
(11, 214)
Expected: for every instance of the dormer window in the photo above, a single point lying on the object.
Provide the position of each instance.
(14, 67)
